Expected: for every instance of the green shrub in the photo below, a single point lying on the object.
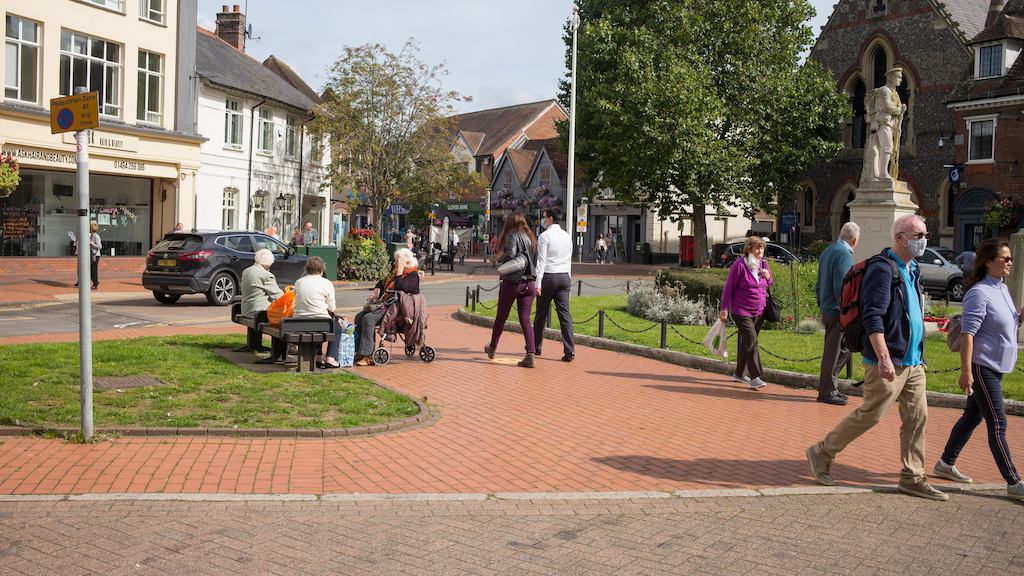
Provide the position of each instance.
(817, 247)
(695, 283)
(795, 282)
(363, 256)
(669, 304)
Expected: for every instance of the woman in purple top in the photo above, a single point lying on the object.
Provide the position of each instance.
(988, 350)
(744, 296)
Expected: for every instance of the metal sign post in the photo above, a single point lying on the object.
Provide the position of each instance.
(79, 113)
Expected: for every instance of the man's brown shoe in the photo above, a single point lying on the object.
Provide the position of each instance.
(820, 466)
(922, 489)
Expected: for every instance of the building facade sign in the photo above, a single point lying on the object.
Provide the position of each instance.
(107, 140)
(41, 157)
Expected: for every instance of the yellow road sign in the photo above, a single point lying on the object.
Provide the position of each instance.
(74, 113)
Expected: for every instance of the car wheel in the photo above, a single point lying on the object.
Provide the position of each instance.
(956, 290)
(166, 298)
(222, 290)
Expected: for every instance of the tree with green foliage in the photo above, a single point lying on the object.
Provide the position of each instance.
(684, 105)
(389, 121)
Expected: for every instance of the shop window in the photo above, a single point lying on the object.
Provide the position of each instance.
(116, 5)
(981, 136)
(259, 211)
(990, 61)
(233, 123)
(152, 10)
(291, 138)
(265, 135)
(21, 60)
(150, 84)
(94, 63)
(229, 209)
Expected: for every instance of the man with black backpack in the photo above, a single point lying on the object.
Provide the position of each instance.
(892, 344)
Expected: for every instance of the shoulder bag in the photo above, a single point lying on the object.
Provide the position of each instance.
(772, 309)
(512, 270)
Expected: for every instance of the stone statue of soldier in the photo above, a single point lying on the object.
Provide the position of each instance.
(885, 119)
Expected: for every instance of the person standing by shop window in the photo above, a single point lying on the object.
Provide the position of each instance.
(95, 245)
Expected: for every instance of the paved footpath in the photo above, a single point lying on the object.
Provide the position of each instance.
(606, 422)
(838, 534)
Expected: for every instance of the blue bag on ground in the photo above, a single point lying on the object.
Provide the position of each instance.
(347, 349)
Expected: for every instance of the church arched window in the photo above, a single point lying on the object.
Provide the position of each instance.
(859, 128)
(880, 65)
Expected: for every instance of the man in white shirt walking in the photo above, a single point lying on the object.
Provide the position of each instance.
(554, 255)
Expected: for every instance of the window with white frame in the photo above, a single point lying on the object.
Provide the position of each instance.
(233, 123)
(291, 138)
(149, 88)
(93, 63)
(265, 135)
(316, 150)
(21, 59)
(990, 61)
(152, 10)
(229, 209)
(981, 138)
(117, 5)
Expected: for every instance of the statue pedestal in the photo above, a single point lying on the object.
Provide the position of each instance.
(877, 206)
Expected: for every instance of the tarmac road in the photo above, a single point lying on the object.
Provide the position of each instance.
(122, 310)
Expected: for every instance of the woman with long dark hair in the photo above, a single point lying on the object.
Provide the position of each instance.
(516, 240)
(988, 350)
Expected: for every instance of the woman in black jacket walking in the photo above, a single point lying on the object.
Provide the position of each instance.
(517, 240)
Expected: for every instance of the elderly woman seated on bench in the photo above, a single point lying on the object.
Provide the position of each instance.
(259, 288)
(404, 277)
(314, 298)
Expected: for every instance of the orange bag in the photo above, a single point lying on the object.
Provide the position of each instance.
(283, 307)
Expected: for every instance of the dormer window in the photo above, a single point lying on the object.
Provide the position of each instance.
(990, 61)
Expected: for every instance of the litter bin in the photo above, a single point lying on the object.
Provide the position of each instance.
(686, 245)
(329, 255)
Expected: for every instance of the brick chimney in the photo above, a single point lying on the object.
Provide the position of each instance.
(231, 26)
(994, 10)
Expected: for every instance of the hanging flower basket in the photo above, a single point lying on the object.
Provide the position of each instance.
(9, 175)
(1003, 213)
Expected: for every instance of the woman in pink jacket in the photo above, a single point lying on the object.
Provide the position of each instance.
(744, 296)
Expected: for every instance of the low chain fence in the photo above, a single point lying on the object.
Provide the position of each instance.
(602, 317)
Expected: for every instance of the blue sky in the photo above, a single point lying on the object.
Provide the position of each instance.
(499, 52)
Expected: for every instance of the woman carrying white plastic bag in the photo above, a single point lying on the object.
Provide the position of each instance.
(715, 340)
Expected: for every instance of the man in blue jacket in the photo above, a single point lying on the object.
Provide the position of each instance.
(833, 264)
(893, 318)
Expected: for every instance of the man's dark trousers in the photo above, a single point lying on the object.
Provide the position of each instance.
(555, 287)
(834, 357)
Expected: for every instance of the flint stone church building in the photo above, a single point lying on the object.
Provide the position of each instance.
(932, 42)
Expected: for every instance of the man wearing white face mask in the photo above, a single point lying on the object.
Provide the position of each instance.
(893, 350)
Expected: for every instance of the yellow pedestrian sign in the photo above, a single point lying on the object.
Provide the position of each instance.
(74, 113)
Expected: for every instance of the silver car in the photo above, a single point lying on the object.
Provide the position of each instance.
(939, 275)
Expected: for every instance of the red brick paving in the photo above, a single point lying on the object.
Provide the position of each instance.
(604, 422)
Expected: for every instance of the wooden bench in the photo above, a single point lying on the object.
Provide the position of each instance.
(307, 333)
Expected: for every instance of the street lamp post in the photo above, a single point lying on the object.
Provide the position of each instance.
(570, 207)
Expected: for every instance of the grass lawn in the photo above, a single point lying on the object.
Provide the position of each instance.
(795, 350)
(202, 389)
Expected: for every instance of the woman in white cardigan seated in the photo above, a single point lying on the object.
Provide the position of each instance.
(314, 298)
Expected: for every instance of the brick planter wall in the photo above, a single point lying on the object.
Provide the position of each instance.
(62, 266)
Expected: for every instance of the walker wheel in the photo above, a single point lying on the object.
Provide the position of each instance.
(410, 351)
(427, 354)
(380, 356)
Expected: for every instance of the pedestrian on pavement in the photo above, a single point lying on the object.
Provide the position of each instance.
(601, 249)
(259, 288)
(95, 246)
(892, 316)
(516, 240)
(272, 232)
(296, 240)
(554, 256)
(966, 261)
(178, 227)
(988, 351)
(744, 296)
(314, 298)
(833, 264)
(492, 248)
(410, 238)
(310, 236)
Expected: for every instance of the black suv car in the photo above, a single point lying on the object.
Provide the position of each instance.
(772, 251)
(212, 262)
